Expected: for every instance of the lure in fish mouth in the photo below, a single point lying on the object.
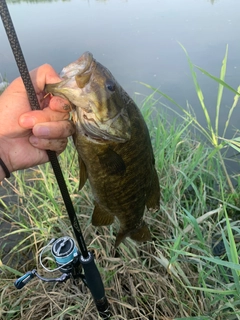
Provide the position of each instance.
(96, 98)
(114, 147)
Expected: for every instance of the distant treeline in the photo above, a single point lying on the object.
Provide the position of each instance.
(34, 1)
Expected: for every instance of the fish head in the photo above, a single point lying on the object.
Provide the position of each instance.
(100, 103)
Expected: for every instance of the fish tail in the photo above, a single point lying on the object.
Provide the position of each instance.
(141, 234)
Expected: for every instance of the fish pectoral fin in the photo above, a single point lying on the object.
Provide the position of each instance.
(101, 217)
(140, 234)
(83, 173)
(112, 162)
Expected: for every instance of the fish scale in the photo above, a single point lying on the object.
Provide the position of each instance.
(114, 148)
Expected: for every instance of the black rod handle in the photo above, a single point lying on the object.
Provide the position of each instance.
(95, 285)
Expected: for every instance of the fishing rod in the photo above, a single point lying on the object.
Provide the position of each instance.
(67, 257)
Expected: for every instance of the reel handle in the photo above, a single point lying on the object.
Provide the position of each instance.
(23, 280)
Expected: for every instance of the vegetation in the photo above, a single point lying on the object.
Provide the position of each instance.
(177, 275)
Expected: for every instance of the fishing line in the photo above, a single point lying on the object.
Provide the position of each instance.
(92, 275)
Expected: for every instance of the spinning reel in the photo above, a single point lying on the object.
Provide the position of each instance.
(67, 258)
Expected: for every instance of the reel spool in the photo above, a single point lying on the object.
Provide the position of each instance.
(64, 251)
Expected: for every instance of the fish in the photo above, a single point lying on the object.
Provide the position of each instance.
(114, 147)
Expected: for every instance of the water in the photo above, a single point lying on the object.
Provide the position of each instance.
(138, 40)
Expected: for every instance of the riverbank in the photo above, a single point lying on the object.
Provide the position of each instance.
(174, 276)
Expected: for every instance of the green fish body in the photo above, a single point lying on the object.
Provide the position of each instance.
(114, 147)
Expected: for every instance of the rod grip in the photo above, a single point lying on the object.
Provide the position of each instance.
(95, 285)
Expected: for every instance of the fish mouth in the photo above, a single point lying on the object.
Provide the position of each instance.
(81, 65)
(68, 88)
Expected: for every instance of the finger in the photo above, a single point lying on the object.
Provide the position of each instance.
(60, 104)
(29, 119)
(42, 75)
(57, 145)
(54, 130)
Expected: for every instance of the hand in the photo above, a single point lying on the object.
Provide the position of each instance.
(26, 134)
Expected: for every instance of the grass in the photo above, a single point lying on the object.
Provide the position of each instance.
(176, 276)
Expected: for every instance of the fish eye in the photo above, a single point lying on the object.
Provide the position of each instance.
(110, 85)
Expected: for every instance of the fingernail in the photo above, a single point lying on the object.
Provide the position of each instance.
(27, 122)
(66, 107)
(33, 140)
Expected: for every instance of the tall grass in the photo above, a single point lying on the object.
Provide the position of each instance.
(176, 276)
(211, 132)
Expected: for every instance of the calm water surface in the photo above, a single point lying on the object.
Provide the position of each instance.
(138, 40)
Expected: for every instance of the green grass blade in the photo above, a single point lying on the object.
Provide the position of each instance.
(223, 83)
(232, 253)
(221, 292)
(235, 101)
(217, 261)
(234, 143)
(201, 98)
(9, 269)
(220, 90)
(195, 225)
(188, 114)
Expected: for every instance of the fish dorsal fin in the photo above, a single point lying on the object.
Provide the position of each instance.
(83, 175)
(82, 79)
(101, 217)
(112, 162)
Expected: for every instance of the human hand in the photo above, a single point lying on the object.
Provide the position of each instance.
(26, 134)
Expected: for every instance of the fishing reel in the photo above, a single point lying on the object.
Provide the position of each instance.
(66, 257)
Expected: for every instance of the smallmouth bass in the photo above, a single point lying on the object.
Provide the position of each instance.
(114, 147)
